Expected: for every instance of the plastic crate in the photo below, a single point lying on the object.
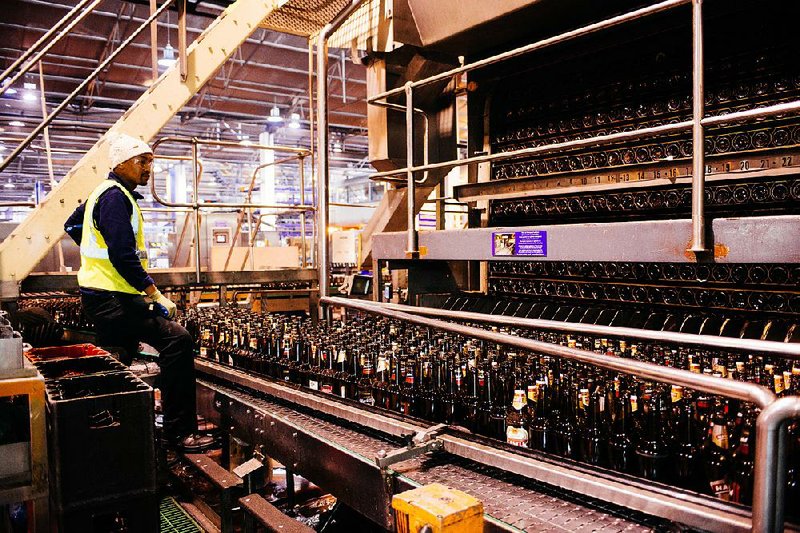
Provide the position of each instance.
(133, 513)
(101, 439)
(77, 367)
(59, 352)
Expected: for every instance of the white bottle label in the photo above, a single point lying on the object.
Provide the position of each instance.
(517, 436)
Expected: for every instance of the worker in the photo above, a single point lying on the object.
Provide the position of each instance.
(120, 297)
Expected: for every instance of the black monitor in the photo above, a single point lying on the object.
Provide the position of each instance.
(361, 285)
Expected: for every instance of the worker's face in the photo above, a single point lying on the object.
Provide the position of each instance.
(136, 170)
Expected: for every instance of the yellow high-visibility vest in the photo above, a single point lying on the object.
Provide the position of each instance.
(96, 271)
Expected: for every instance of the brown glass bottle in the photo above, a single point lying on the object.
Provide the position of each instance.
(716, 457)
(652, 452)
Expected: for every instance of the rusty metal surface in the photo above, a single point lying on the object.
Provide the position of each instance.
(518, 503)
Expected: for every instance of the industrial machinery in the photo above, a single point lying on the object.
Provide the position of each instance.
(612, 343)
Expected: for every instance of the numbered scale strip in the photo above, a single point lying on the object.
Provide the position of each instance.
(667, 173)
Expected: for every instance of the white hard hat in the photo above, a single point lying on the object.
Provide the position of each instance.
(123, 147)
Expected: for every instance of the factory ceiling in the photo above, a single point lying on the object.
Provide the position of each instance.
(269, 71)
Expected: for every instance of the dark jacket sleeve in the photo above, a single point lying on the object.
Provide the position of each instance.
(74, 224)
(112, 216)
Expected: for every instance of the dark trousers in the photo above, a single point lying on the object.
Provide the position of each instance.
(125, 319)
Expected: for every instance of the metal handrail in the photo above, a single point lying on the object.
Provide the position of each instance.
(697, 124)
(79, 89)
(782, 349)
(17, 204)
(768, 494)
(37, 49)
(197, 204)
(522, 50)
(323, 149)
(769, 481)
(250, 188)
(739, 116)
(220, 205)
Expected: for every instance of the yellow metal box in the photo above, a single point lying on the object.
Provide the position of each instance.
(437, 509)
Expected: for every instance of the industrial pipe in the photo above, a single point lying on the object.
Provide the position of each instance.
(770, 466)
(782, 349)
(698, 137)
(412, 249)
(323, 169)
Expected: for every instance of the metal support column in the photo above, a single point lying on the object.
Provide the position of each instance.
(698, 137)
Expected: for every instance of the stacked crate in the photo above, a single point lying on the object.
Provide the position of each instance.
(101, 444)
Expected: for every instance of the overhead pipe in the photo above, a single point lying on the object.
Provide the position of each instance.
(323, 168)
(37, 51)
(79, 89)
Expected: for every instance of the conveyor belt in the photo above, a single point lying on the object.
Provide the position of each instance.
(515, 501)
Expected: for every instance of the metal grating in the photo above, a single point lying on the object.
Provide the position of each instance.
(303, 17)
(522, 503)
(175, 520)
(370, 23)
(371, 20)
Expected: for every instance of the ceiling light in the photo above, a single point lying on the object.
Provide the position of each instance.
(29, 86)
(337, 147)
(294, 123)
(275, 115)
(29, 96)
(11, 90)
(17, 124)
(9, 184)
(168, 59)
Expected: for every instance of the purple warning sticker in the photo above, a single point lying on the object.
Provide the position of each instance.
(520, 243)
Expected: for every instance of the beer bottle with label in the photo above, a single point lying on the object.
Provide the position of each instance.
(365, 383)
(516, 416)
(716, 456)
(742, 467)
(381, 384)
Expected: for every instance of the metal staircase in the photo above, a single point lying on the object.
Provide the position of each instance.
(43, 228)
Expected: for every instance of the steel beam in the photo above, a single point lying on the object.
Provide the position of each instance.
(31, 240)
(177, 278)
(736, 240)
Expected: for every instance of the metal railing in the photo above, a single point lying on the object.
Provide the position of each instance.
(696, 124)
(44, 44)
(80, 88)
(782, 349)
(770, 453)
(323, 149)
(196, 204)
